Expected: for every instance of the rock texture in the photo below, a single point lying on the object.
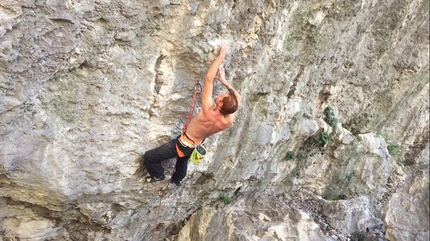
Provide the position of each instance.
(406, 215)
(331, 142)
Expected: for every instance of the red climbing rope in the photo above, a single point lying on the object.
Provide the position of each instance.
(156, 220)
(197, 92)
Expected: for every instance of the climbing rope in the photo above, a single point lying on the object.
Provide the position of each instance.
(156, 220)
(161, 194)
(197, 92)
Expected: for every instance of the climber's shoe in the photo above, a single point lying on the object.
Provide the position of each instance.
(176, 182)
(154, 179)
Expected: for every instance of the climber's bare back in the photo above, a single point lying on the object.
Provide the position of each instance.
(204, 125)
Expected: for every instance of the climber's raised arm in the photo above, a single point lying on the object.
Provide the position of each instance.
(223, 80)
(207, 102)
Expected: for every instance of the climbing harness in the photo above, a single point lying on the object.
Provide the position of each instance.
(162, 191)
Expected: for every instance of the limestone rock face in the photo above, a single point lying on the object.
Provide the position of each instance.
(331, 141)
(404, 215)
(259, 217)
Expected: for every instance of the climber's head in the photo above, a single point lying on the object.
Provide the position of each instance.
(228, 103)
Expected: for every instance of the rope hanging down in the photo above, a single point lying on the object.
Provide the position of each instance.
(197, 92)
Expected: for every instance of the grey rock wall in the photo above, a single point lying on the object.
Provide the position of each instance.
(334, 121)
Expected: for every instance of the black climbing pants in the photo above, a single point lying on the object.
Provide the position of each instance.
(152, 159)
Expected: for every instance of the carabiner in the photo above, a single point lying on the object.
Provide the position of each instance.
(198, 87)
(161, 192)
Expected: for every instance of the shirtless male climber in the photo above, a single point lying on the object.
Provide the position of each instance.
(212, 118)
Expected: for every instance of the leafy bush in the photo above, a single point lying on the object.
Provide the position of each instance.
(330, 118)
(393, 149)
(226, 199)
(324, 138)
(290, 155)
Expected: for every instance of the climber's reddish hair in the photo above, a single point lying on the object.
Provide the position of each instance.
(229, 104)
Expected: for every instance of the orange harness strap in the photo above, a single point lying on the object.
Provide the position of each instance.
(180, 153)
